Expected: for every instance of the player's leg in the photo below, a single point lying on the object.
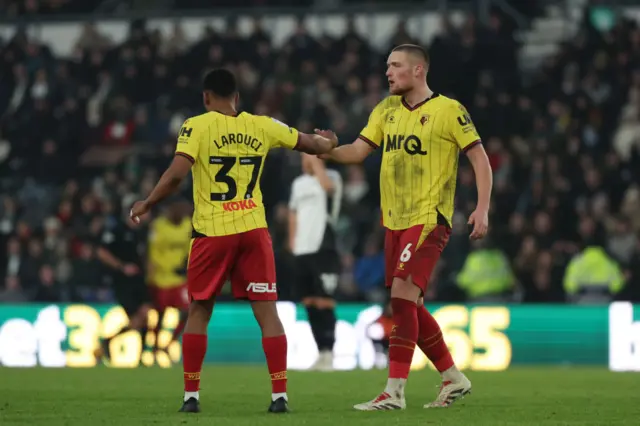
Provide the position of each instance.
(430, 338)
(132, 299)
(159, 305)
(178, 298)
(399, 248)
(182, 304)
(209, 264)
(308, 288)
(163, 299)
(274, 344)
(322, 319)
(194, 349)
(254, 278)
(325, 282)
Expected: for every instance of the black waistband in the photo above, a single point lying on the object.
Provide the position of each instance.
(443, 220)
(196, 234)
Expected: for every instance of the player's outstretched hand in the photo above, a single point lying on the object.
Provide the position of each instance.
(328, 134)
(139, 209)
(480, 221)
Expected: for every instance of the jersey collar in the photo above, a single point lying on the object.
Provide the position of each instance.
(419, 104)
(228, 115)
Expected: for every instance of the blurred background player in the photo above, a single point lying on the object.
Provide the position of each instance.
(379, 332)
(423, 133)
(168, 251)
(120, 250)
(314, 207)
(230, 238)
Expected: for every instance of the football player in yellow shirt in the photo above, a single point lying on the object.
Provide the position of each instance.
(422, 134)
(225, 150)
(168, 251)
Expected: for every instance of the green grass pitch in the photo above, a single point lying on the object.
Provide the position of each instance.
(240, 395)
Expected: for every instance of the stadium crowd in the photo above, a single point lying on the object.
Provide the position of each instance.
(82, 137)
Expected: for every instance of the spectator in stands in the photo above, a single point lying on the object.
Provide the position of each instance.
(565, 167)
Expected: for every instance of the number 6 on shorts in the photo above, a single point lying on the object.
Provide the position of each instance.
(406, 253)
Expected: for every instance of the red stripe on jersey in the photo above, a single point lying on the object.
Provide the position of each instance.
(471, 145)
(187, 156)
(369, 141)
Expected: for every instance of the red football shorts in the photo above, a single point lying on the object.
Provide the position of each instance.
(175, 297)
(246, 259)
(414, 252)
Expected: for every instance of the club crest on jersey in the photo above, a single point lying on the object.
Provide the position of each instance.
(392, 119)
(424, 119)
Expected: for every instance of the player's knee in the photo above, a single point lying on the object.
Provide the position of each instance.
(325, 303)
(139, 319)
(266, 314)
(199, 316)
(405, 289)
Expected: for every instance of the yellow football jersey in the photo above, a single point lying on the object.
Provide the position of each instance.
(420, 158)
(168, 252)
(228, 153)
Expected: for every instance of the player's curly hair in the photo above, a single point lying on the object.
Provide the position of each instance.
(221, 82)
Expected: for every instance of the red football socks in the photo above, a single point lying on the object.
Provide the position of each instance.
(403, 338)
(431, 341)
(275, 350)
(194, 347)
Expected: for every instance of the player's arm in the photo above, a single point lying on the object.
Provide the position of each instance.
(170, 180)
(107, 258)
(353, 153)
(292, 216)
(187, 151)
(320, 172)
(320, 143)
(293, 228)
(281, 135)
(369, 140)
(466, 136)
(484, 175)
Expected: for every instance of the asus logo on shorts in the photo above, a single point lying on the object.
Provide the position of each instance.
(239, 205)
(262, 288)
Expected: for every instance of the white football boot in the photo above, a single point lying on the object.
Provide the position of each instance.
(450, 392)
(324, 362)
(384, 402)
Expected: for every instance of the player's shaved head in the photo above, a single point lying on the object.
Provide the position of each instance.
(407, 68)
(415, 51)
(221, 83)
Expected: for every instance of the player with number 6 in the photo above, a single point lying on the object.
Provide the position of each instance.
(422, 134)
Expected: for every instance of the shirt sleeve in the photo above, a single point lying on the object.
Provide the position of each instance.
(280, 135)
(189, 140)
(461, 129)
(373, 132)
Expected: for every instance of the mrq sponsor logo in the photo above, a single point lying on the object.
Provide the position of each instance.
(624, 338)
